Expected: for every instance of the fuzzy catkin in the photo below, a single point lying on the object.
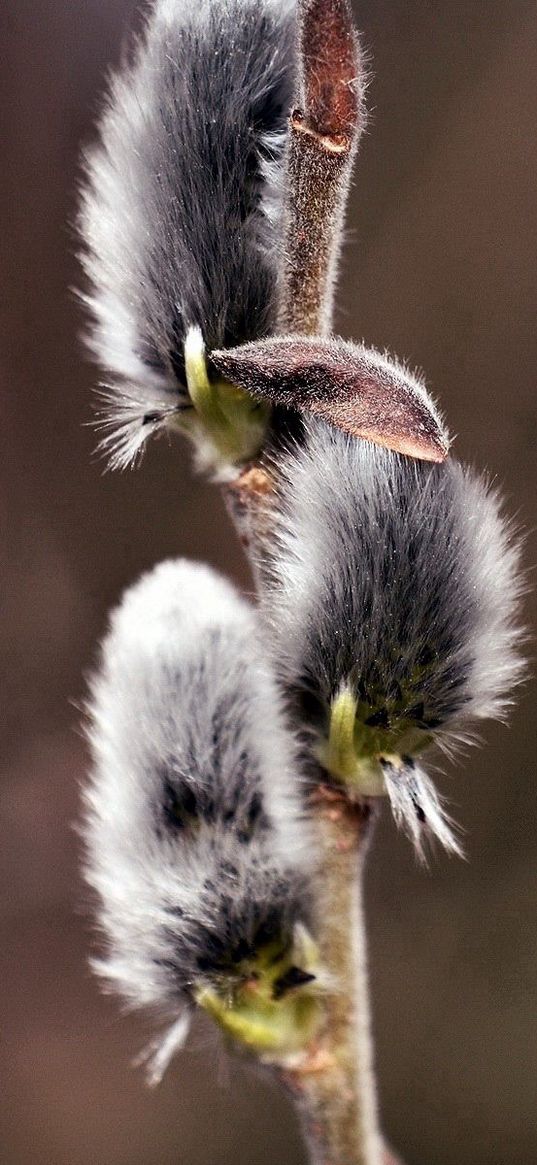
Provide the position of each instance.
(194, 834)
(397, 581)
(182, 201)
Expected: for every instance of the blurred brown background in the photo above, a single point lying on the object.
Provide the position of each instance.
(439, 267)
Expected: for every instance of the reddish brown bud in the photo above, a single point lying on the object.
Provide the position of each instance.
(332, 74)
(354, 388)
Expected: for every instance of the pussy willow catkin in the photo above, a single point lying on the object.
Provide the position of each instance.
(195, 837)
(391, 599)
(181, 207)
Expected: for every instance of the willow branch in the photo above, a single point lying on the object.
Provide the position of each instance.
(324, 132)
(334, 1087)
(323, 135)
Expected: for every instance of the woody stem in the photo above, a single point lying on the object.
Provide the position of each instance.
(323, 134)
(334, 1086)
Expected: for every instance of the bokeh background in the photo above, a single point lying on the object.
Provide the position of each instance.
(439, 267)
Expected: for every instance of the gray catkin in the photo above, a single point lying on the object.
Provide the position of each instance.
(181, 201)
(195, 839)
(396, 579)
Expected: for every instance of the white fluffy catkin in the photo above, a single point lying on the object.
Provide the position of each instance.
(397, 581)
(194, 838)
(181, 203)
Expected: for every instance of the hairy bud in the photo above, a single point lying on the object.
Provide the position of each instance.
(355, 388)
(392, 603)
(195, 839)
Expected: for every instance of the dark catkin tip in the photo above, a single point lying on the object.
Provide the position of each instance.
(379, 719)
(180, 805)
(294, 977)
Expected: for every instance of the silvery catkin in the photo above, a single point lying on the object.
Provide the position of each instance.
(195, 838)
(181, 202)
(394, 585)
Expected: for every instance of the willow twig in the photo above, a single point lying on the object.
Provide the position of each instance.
(323, 135)
(333, 1084)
